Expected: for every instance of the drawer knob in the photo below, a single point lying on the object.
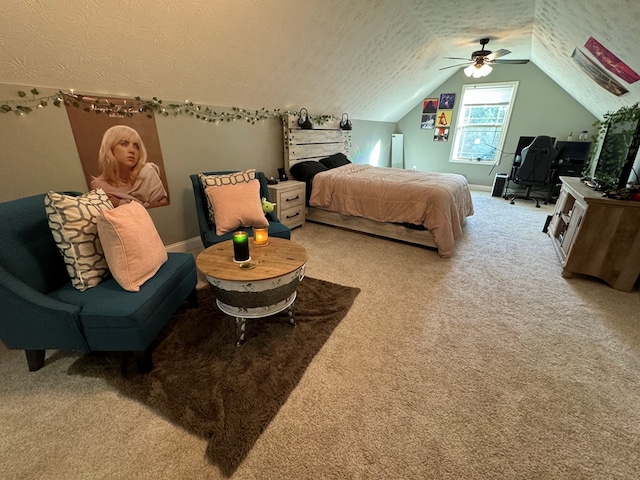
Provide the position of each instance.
(293, 216)
(297, 197)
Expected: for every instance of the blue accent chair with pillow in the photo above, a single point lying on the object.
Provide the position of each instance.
(208, 229)
(40, 309)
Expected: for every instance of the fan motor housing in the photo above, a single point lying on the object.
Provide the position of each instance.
(480, 53)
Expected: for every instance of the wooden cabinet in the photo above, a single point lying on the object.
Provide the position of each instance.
(289, 198)
(596, 236)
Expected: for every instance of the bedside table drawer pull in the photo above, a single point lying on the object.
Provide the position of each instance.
(297, 197)
(292, 216)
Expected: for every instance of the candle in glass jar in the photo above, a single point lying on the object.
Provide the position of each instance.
(260, 236)
(241, 247)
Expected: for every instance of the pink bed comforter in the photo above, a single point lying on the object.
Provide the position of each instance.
(438, 201)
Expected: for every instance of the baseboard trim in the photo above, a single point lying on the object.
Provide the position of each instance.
(186, 246)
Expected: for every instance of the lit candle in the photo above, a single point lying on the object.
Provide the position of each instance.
(241, 247)
(260, 236)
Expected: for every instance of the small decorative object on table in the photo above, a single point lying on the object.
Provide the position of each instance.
(241, 247)
(260, 236)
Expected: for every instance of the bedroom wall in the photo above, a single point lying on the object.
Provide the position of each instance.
(371, 142)
(541, 108)
(39, 154)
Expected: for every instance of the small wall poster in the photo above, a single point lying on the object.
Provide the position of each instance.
(447, 100)
(441, 134)
(443, 118)
(429, 109)
(611, 62)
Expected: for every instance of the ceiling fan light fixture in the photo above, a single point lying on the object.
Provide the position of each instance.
(485, 70)
(470, 70)
(481, 60)
(478, 71)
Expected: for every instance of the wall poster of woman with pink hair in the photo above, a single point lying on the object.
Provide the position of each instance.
(119, 149)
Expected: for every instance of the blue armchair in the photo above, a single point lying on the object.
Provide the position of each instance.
(40, 309)
(208, 229)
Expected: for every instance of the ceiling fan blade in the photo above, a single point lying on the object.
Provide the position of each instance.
(498, 53)
(457, 65)
(456, 58)
(514, 62)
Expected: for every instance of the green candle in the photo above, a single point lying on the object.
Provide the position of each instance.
(240, 247)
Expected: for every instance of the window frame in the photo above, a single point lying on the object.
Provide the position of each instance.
(460, 128)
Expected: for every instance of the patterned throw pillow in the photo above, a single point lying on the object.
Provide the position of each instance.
(132, 245)
(224, 179)
(73, 225)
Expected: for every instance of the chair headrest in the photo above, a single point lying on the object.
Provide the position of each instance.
(542, 141)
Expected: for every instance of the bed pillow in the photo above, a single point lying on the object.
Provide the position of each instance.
(132, 246)
(335, 160)
(72, 220)
(305, 171)
(218, 180)
(237, 205)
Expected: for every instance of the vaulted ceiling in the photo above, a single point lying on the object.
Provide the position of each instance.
(375, 59)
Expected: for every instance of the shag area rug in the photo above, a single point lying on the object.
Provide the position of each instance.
(204, 383)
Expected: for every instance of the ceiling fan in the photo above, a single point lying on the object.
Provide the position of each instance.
(481, 60)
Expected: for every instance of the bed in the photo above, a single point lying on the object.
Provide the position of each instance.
(422, 208)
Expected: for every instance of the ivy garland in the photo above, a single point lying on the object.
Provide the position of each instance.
(89, 104)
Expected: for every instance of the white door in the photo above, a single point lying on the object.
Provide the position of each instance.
(397, 150)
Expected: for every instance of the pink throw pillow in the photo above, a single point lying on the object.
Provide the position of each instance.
(219, 179)
(132, 246)
(237, 206)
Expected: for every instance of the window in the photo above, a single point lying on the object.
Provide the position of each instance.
(482, 122)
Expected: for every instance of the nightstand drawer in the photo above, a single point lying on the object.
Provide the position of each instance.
(289, 198)
(293, 216)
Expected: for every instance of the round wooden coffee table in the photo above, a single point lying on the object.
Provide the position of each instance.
(263, 286)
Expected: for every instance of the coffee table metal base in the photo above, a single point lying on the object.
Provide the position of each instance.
(241, 314)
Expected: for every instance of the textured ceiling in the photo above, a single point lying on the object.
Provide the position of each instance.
(375, 59)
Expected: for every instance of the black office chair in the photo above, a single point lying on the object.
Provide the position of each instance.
(534, 168)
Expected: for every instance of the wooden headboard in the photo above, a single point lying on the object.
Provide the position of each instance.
(323, 140)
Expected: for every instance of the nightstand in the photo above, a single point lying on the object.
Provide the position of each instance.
(289, 197)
